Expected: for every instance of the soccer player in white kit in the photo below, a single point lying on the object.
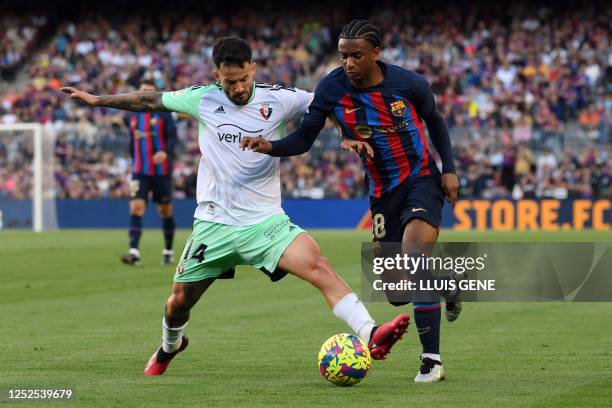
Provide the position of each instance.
(239, 219)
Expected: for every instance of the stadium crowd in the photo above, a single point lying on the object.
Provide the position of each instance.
(17, 38)
(525, 90)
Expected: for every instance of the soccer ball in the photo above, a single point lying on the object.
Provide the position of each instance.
(344, 359)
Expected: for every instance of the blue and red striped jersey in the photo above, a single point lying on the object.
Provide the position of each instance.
(151, 132)
(388, 116)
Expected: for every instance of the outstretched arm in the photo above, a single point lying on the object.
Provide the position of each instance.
(297, 142)
(301, 139)
(140, 101)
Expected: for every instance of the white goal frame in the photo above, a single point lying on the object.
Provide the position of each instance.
(37, 188)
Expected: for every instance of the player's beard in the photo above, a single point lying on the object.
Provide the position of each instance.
(242, 101)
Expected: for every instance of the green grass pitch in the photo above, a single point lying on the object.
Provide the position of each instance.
(72, 316)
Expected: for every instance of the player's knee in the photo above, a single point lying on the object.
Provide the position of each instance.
(323, 271)
(418, 230)
(137, 207)
(178, 302)
(309, 253)
(313, 257)
(323, 265)
(165, 210)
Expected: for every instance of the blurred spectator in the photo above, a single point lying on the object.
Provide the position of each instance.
(17, 37)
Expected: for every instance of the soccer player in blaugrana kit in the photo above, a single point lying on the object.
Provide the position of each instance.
(239, 219)
(152, 141)
(380, 109)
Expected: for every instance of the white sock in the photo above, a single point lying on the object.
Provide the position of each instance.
(354, 313)
(432, 356)
(135, 252)
(172, 337)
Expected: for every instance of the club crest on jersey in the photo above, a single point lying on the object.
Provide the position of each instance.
(265, 110)
(398, 108)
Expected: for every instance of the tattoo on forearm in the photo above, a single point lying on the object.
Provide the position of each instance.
(141, 101)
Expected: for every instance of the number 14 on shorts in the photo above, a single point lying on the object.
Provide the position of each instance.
(198, 254)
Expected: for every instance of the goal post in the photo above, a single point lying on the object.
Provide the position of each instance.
(42, 192)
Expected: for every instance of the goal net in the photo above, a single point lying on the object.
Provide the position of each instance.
(27, 182)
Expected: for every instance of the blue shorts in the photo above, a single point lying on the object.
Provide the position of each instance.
(421, 197)
(141, 186)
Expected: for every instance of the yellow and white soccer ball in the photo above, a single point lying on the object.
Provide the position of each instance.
(344, 359)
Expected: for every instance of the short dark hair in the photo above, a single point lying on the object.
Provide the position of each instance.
(361, 29)
(149, 82)
(232, 50)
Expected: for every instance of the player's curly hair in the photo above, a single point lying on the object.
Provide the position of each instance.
(232, 50)
(361, 29)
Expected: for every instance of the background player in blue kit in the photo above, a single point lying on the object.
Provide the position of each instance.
(380, 109)
(152, 141)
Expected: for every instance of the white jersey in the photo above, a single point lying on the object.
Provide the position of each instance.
(238, 187)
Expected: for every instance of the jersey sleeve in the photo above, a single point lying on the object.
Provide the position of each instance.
(438, 132)
(184, 101)
(296, 104)
(170, 133)
(425, 102)
(320, 108)
(302, 138)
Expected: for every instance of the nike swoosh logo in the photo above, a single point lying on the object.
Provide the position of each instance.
(351, 110)
(418, 209)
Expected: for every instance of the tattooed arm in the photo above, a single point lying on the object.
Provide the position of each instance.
(140, 101)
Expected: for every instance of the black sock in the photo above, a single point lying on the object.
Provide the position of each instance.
(168, 227)
(373, 331)
(135, 230)
(427, 317)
